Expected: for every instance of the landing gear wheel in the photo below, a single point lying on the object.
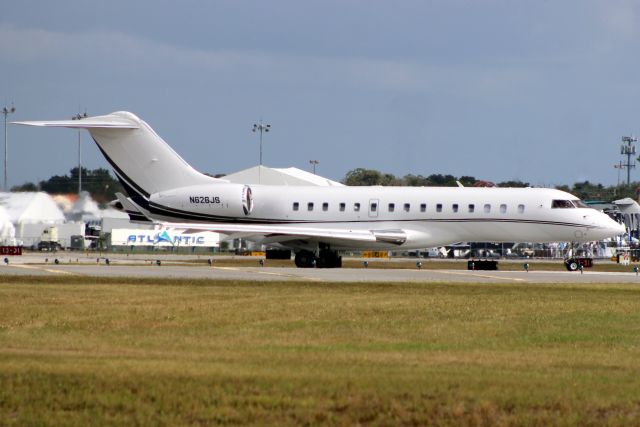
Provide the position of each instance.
(326, 259)
(305, 259)
(329, 259)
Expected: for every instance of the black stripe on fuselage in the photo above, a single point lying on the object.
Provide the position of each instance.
(186, 216)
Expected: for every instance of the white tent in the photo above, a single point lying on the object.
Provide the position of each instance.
(7, 230)
(279, 176)
(31, 208)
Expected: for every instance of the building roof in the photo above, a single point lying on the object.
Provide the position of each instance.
(279, 176)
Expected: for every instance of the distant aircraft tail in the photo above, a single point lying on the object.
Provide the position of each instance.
(143, 162)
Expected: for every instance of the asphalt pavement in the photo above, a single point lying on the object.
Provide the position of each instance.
(170, 267)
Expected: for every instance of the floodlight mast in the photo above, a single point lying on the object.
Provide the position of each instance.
(314, 163)
(79, 117)
(6, 111)
(261, 127)
(628, 150)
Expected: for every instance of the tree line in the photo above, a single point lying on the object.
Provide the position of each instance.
(98, 182)
(102, 185)
(584, 190)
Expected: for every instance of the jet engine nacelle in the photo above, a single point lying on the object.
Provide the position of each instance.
(232, 200)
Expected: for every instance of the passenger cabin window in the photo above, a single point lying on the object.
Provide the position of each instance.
(296, 206)
(455, 207)
(472, 208)
(562, 204)
(423, 207)
(407, 207)
(374, 207)
(342, 207)
(503, 208)
(439, 207)
(487, 208)
(356, 207)
(310, 206)
(521, 209)
(392, 207)
(325, 206)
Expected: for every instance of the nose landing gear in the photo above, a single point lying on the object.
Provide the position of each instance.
(574, 264)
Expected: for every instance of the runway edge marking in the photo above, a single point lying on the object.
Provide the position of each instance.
(484, 276)
(48, 270)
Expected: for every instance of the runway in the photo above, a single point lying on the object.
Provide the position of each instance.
(146, 269)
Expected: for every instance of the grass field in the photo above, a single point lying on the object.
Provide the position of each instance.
(89, 351)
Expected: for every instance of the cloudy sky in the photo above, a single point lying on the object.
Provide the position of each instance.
(539, 91)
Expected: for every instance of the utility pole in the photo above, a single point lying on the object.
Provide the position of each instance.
(628, 150)
(619, 166)
(79, 117)
(6, 111)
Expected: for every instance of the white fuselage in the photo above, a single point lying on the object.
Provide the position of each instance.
(428, 216)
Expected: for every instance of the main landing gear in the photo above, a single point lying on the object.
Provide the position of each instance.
(326, 259)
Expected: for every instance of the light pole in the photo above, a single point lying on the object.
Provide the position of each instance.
(79, 117)
(628, 150)
(260, 128)
(6, 111)
(314, 163)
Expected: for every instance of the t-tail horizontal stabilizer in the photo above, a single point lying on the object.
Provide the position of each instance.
(101, 122)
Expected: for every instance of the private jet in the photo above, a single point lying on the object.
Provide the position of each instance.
(319, 222)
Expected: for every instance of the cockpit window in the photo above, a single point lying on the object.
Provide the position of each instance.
(562, 204)
(568, 204)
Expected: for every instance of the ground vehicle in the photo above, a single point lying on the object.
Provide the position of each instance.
(48, 246)
(49, 240)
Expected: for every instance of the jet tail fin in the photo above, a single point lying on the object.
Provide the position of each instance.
(143, 162)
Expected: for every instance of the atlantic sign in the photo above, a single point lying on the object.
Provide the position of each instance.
(163, 238)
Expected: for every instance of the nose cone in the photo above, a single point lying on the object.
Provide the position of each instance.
(607, 227)
(619, 229)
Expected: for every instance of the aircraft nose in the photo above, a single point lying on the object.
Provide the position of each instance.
(608, 227)
(619, 228)
(614, 228)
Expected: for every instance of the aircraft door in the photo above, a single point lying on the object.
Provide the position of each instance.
(374, 207)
